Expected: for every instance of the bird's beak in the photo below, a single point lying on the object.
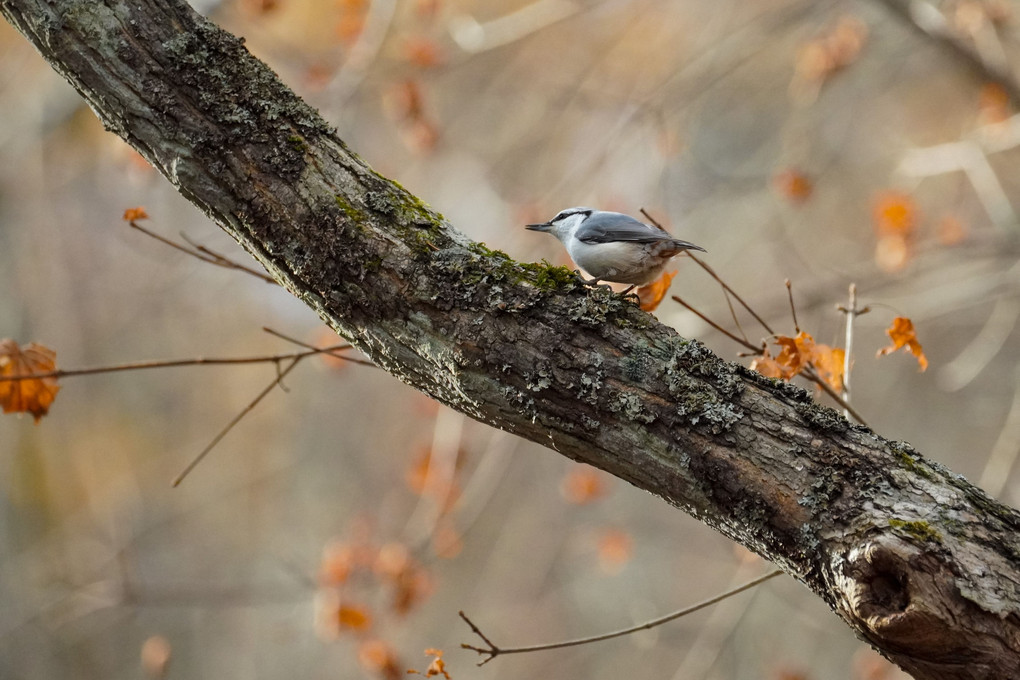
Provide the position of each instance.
(544, 226)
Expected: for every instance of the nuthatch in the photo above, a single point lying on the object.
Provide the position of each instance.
(614, 247)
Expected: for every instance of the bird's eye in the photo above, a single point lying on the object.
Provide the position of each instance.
(564, 214)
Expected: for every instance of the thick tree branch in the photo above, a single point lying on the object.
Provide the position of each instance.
(916, 560)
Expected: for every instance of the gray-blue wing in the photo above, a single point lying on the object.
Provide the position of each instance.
(606, 227)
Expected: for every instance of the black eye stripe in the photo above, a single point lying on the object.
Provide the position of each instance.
(564, 214)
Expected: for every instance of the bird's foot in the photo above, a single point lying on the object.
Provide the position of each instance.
(630, 293)
(594, 283)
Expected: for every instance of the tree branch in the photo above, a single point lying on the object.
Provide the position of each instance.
(917, 561)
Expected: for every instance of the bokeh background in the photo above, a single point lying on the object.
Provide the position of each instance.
(338, 529)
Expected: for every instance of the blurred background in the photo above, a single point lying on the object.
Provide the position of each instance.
(339, 527)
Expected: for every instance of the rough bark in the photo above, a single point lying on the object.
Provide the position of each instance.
(916, 560)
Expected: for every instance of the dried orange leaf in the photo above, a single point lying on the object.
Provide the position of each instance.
(793, 185)
(27, 396)
(614, 548)
(438, 666)
(894, 213)
(795, 353)
(651, 295)
(378, 657)
(994, 104)
(903, 335)
(426, 479)
(134, 214)
(583, 484)
(338, 562)
(769, 367)
(412, 587)
(353, 617)
(828, 362)
(422, 52)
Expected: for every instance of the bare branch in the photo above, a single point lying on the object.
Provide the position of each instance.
(492, 651)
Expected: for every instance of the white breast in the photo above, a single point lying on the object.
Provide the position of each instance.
(620, 261)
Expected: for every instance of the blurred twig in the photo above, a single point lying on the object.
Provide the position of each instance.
(926, 19)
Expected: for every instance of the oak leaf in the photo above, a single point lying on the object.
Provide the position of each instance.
(651, 295)
(903, 334)
(34, 395)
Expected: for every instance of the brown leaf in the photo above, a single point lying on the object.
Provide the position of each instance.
(651, 295)
(903, 335)
(422, 52)
(795, 353)
(378, 657)
(769, 367)
(615, 547)
(27, 396)
(894, 213)
(583, 484)
(828, 362)
(353, 617)
(798, 353)
(438, 666)
(793, 185)
(135, 214)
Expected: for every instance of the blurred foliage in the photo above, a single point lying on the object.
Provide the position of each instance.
(338, 529)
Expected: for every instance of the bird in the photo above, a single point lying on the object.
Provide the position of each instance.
(613, 247)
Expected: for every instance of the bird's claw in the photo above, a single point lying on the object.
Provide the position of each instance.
(594, 283)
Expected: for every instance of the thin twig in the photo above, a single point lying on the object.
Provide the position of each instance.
(173, 363)
(711, 272)
(716, 326)
(224, 261)
(810, 374)
(733, 314)
(492, 651)
(299, 343)
(236, 419)
(793, 307)
(851, 313)
(202, 253)
(848, 344)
